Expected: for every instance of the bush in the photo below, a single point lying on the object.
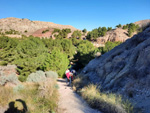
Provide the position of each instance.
(98, 32)
(25, 31)
(76, 34)
(17, 88)
(3, 42)
(56, 61)
(45, 31)
(36, 77)
(131, 28)
(85, 53)
(110, 45)
(3, 63)
(61, 33)
(84, 30)
(10, 78)
(51, 74)
(40, 76)
(68, 47)
(119, 25)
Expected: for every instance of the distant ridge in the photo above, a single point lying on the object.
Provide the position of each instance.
(23, 25)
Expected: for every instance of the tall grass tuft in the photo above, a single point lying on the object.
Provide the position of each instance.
(105, 102)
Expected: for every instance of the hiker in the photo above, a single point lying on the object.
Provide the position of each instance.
(69, 76)
(74, 72)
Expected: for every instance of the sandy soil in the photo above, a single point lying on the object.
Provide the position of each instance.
(70, 102)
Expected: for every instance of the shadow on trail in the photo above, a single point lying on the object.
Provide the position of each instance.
(60, 80)
(18, 106)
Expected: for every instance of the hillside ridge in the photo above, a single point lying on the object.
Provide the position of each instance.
(24, 24)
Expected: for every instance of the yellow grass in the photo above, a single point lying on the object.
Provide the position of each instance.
(110, 102)
(38, 97)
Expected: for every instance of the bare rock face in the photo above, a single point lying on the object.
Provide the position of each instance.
(125, 70)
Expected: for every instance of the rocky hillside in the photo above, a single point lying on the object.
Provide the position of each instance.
(125, 70)
(28, 27)
(114, 35)
(120, 34)
(143, 23)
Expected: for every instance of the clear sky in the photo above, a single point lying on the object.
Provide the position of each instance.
(81, 14)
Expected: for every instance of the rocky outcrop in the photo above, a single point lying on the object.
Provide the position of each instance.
(125, 70)
(120, 34)
(114, 35)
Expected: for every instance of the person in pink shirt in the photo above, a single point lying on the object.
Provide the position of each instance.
(69, 76)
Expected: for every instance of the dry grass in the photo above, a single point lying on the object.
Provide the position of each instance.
(80, 82)
(107, 103)
(6, 94)
(39, 97)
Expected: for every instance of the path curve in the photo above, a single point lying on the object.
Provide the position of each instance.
(70, 102)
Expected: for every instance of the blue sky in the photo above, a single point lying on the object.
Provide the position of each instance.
(81, 14)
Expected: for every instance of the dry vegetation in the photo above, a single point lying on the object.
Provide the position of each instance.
(30, 97)
(105, 102)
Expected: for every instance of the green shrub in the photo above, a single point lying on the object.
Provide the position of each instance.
(45, 31)
(76, 34)
(56, 61)
(61, 33)
(131, 28)
(3, 63)
(12, 31)
(25, 31)
(85, 53)
(119, 25)
(3, 42)
(84, 30)
(68, 47)
(110, 45)
(98, 32)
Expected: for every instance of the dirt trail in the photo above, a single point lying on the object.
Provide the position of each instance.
(70, 102)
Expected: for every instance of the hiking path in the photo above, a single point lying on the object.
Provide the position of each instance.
(70, 102)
